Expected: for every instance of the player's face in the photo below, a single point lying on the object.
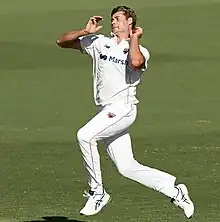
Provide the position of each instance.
(120, 23)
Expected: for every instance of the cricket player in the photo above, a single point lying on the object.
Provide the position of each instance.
(118, 63)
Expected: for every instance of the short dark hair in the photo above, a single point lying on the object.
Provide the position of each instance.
(128, 12)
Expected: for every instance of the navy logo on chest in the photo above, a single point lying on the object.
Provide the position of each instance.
(113, 59)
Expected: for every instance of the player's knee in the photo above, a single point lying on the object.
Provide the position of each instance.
(126, 169)
(83, 135)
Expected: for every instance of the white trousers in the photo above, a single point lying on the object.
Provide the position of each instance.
(111, 125)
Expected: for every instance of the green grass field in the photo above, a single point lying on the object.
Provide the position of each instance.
(46, 96)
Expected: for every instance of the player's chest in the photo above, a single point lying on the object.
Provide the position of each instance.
(110, 54)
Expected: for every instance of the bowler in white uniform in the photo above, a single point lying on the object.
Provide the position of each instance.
(118, 63)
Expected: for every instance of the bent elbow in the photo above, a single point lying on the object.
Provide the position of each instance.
(135, 64)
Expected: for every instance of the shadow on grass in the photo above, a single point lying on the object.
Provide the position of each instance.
(55, 219)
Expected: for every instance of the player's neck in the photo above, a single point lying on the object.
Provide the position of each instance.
(121, 36)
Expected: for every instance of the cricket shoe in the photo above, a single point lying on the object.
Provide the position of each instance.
(95, 202)
(182, 200)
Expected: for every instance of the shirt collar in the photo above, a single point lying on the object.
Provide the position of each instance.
(114, 36)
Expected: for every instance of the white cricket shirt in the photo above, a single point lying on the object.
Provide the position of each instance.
(113, 78)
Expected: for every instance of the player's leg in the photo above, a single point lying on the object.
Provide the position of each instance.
(97, 197)
(110, 121)
(119, 149)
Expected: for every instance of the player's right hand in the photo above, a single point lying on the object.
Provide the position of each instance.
(92, 25)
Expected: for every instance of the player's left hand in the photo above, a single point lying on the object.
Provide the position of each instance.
(137, 32)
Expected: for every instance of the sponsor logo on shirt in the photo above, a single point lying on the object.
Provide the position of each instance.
(104, 57)
(113, 59)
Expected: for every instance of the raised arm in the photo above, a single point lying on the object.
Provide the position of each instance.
(137, 59)
(71, 39)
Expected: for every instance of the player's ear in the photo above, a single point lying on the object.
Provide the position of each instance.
(130, 21)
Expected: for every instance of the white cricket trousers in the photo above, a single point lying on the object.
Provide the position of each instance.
(111, 125)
